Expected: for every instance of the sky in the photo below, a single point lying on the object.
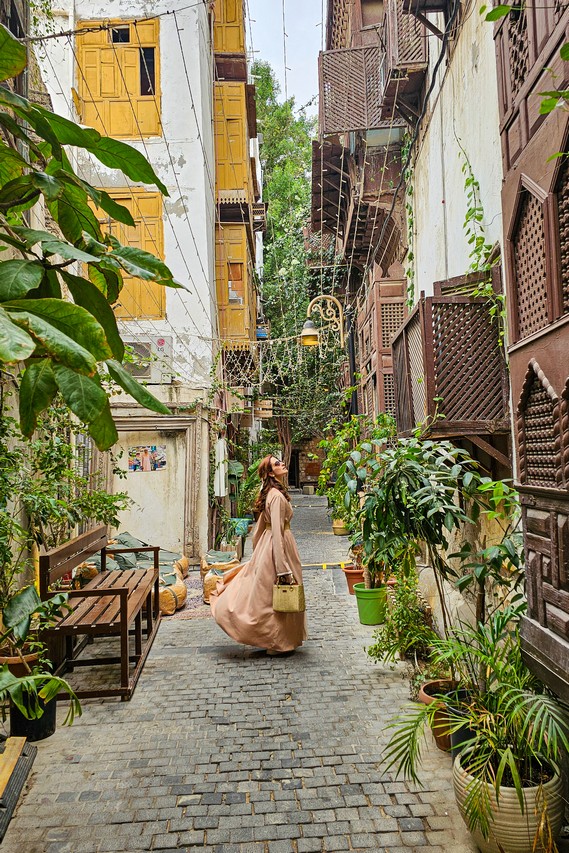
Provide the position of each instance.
(304, 38)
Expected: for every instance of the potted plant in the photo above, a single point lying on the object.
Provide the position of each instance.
(32, 694)
(354, 571)
(506, 775)
(356, 439)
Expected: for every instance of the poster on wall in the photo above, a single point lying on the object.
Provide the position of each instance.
(149, 457)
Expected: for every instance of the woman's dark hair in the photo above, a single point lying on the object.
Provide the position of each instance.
(268, 482)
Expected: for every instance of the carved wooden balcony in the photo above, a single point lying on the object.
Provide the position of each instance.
(351, 89)
(450, 372)
(406, 61)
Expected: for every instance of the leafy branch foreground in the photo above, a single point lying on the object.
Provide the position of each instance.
(66, 346)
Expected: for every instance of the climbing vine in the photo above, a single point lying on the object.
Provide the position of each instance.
(481, 255)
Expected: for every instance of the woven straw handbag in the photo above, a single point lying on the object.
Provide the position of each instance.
(288, 598)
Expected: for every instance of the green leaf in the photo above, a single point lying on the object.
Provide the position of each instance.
(83, 395)
(564, 52)
(15, 344)
(57, 344)
(11, 164)
(141, 264)
(19, 277)
(72, 213)
(132, 387)
(548, 105)
(37, 390)
(119, 155)
(48, 185)
(118, 211)
(103, 429)
(108, 282)
(35, 116)
(90, 297)
(73, 320)
(19, 610)
(110, 152)
(51, 245)
(498, 12)
(13, 55)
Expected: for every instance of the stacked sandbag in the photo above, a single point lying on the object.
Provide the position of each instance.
(172, 592)
(217, 560)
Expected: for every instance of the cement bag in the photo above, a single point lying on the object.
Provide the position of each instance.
(183, 566)
(172, 593)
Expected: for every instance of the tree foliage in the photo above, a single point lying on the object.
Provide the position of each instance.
(56, 324)
(308, 394)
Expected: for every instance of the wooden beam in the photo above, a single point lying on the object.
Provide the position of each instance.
(490, 450)
(426, 23)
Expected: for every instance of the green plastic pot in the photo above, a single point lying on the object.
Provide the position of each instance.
(371, 604)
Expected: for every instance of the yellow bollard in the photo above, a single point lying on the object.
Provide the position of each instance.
(324, 566)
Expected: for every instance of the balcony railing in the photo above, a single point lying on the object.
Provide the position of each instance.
(449, 369)
(405, 61)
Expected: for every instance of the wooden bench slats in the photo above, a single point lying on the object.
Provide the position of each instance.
(105, 611)
(110, 604)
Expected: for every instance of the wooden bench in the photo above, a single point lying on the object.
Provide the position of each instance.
(114, 603)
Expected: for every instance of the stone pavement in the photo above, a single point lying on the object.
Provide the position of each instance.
(225, 749)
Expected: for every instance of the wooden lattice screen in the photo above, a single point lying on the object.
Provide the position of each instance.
(447, 360)
(406, 37)
(518, 45)
(539, 431)
(351, 88)
(528, 242)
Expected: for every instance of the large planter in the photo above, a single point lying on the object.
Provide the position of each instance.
(240, 526)
(16, 666)
(339, 528)
(353, 575)
(33, 730)
(371, 604)
(441, 723)
(510, 829)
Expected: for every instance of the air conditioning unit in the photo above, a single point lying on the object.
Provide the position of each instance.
(155, 353)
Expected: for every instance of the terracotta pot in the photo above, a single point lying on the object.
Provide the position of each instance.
(15, 664)
(353, 575)
(441, 724)
(510, 829)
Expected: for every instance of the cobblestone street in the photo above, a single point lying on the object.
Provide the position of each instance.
(225, 749)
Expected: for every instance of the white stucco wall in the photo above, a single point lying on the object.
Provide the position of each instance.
(463, 112)
(186, 146)
(183, 158)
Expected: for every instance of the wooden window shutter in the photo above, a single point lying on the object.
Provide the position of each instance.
(113, 79)
(139, 299)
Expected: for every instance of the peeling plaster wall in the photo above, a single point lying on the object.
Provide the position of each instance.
(189, 240)
(463, 111)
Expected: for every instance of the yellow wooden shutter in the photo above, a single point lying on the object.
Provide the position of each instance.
(109, 79)
(229, 26)
(231, 139)
(138, 298)
(234, 284)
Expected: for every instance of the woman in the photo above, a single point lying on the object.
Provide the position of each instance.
(243, 604)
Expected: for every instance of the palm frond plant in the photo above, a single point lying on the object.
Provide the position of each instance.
(517, 731)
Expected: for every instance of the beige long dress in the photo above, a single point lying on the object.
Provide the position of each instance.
(243, 604)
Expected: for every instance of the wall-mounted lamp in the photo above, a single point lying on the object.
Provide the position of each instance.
(330, 309)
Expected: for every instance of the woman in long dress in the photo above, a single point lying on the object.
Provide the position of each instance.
(243, 604)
